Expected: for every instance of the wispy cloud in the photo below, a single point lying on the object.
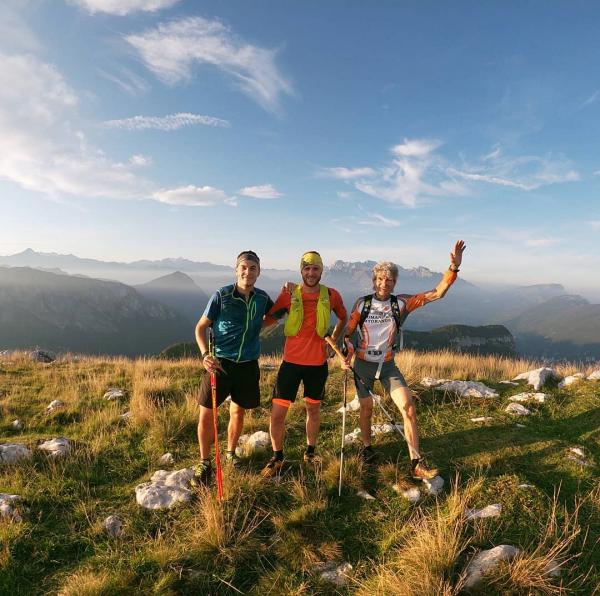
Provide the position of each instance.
(127, 80)
(594, 224)
(263, 191)
(166, 123)
(593, 98)
(342, 173)
(377, 220)
(193, 196)
(123, 7)
(417, 173)
(542, 242)
(172, 49)
(140, 161)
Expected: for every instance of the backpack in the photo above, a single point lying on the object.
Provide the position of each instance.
(367, 301)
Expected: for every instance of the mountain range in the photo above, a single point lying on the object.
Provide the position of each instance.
(56, 301)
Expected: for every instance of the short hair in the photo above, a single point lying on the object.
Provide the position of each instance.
(386, 268)
(247, 255)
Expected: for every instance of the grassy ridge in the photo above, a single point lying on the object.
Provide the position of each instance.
(269, 536)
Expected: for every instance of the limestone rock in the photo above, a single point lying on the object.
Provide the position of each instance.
(385, 429)
(524, 485)
(257, 441)
(595, 376)
(431, 382)
(114, 393)
(42, 356)
(553, 568)
(55, 404)
(113, 526)
(517, 410)
(126, 416)
(165, 489)
(363, 494)
(485, 561)
(434, 486)
(572, 379)
(508, 383)
(529, 396)
(353, 437)
(11, 453)
(488, 511)
(482, 419)
(352, 406)
(17, 424)
(468, 389)
(538, 377)
(166, 460)
(57, 447)
(10, 507)
(334, 573)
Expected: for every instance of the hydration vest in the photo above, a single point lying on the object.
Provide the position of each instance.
(296, 314)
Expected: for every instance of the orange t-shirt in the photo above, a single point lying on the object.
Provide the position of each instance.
(307, 347)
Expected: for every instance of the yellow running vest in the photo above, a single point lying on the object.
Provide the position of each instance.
(296, 314)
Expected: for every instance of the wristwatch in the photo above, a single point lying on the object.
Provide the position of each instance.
(205, 354)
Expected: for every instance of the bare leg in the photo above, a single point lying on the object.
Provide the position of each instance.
(236, 423)
(278, 414)
(313, 422)
(366, 413)
(206, 434)
(403, 399)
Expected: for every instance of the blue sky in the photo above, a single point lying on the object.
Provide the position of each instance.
(137, 129)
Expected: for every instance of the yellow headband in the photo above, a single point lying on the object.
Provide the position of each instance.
(311, 258)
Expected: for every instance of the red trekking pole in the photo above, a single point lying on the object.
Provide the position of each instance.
(213, 392)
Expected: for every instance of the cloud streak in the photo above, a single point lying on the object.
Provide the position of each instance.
(123, 7)
(342, 173)
(193, 196)
(263, 191)
(165, 123)
(172, 50)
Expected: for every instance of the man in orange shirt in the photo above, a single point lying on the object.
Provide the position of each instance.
(309, 308)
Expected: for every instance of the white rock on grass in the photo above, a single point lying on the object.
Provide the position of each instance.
(432, 382)
(166, 459)
(571, 379)
(165, 489)
(363, 494)
(353, 437)
(508, 383)
(352, 406)
(434, 486)
(485, 561)
(538, 377)
(529, 396)
(376, 429)
(126, 416)
(553, 568)
(113, 526)
(57, 447)
(9, 507)
(517, 410)
(489, 511)
(43, 356)
(55, 404)
(11, 453)
(257, 441)
(579, 461)
(412, 493)
(579, 451)
(595, 376)
(482, 419)
(334, 573)
(17, 424)
(468, 389)
(114, 393)
(525, 485)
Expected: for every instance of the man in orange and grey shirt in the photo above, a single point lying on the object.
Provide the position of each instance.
(309, 307)
(377, 326)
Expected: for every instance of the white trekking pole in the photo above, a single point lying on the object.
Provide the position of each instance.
(343, 434)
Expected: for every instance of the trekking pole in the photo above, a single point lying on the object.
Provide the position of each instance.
(376, 398)
(213, 391)
(343, 434)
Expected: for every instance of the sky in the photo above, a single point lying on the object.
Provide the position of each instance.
(146, 129)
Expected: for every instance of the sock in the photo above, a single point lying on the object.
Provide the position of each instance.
(230, 453)
(310, 449)
(278, 455)
(413, 463)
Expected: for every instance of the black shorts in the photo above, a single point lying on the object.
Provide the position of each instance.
(290, 375)
(241, 382)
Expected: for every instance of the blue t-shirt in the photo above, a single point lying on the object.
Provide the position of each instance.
(237, 321)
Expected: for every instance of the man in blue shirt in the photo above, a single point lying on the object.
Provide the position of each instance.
(235, 313)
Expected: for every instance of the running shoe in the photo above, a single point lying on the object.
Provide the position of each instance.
(273, 468)
(422, 471)
(202, 474)
(233, 460)
(311, 458)
(368, 455)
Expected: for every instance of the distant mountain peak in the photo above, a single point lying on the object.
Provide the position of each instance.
(174, 280)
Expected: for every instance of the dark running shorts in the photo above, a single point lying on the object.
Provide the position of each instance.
(241, 382)
(290, 375)
(391, 378)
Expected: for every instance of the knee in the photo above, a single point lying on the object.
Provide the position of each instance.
(313, 410)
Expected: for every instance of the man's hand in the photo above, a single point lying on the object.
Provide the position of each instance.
(348, 352)
(456, 256)
(211, 364)
(289, 287)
